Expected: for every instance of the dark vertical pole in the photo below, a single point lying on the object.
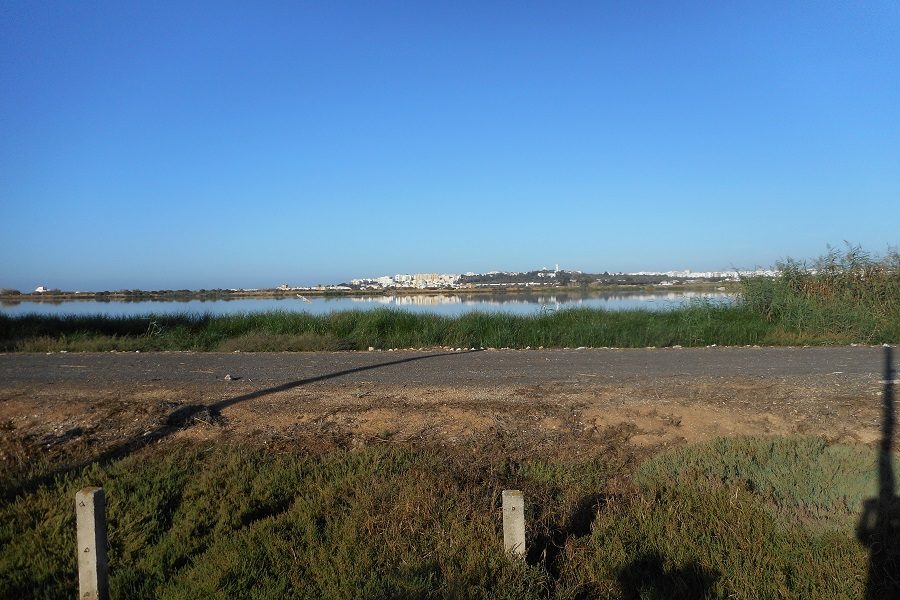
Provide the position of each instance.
(887, 485)
(877, 527)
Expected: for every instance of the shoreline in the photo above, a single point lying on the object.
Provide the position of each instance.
(274, 294)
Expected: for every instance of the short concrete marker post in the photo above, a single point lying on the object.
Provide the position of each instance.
(90, 516)
(514, 523)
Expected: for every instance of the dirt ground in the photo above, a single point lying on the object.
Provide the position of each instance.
(536, 420)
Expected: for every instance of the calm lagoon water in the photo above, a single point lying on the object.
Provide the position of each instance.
(443, 304)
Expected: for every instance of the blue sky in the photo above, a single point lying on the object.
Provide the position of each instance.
(235, 144)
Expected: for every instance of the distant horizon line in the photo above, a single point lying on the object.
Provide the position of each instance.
(685, 273)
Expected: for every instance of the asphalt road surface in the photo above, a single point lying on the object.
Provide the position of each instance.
(439, 367)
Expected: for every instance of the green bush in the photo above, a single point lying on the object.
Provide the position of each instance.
(802, 478)
(702, 541)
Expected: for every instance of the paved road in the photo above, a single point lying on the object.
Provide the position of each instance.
(438, 368)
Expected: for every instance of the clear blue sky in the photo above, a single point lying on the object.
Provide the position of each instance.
(224, 144)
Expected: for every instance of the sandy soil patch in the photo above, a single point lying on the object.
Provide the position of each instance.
(574, 417)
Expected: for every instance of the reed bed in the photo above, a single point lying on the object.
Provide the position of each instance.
(844, 295)
(700, 324)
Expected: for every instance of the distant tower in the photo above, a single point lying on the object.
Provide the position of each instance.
(557, 267)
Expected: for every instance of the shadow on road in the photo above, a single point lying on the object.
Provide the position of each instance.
(879, 524)
(185, 416)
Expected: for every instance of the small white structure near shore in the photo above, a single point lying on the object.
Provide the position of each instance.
(41, 289)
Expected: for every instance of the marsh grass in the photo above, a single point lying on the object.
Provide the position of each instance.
(234, 520)
(699, 324)
(843, 296)
(238, 521)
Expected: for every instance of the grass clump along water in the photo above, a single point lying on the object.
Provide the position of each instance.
(842, 296)
(845, 297)
(384, 329)
(230, 520)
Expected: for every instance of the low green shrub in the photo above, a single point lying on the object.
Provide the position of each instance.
(692, 540)
(802, 478)
(225, 520)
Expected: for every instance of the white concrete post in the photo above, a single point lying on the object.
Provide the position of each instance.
(90, 515)
(514, 523)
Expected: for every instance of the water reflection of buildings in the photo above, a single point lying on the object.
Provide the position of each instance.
(664, 296)
(555, 300)
(449, 303)
(416, 300)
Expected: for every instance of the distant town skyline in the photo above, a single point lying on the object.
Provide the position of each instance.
(73, 283)
(543, 275)
(210, 145)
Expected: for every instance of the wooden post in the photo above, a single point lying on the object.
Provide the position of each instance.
(514, 523)
(90, 515)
